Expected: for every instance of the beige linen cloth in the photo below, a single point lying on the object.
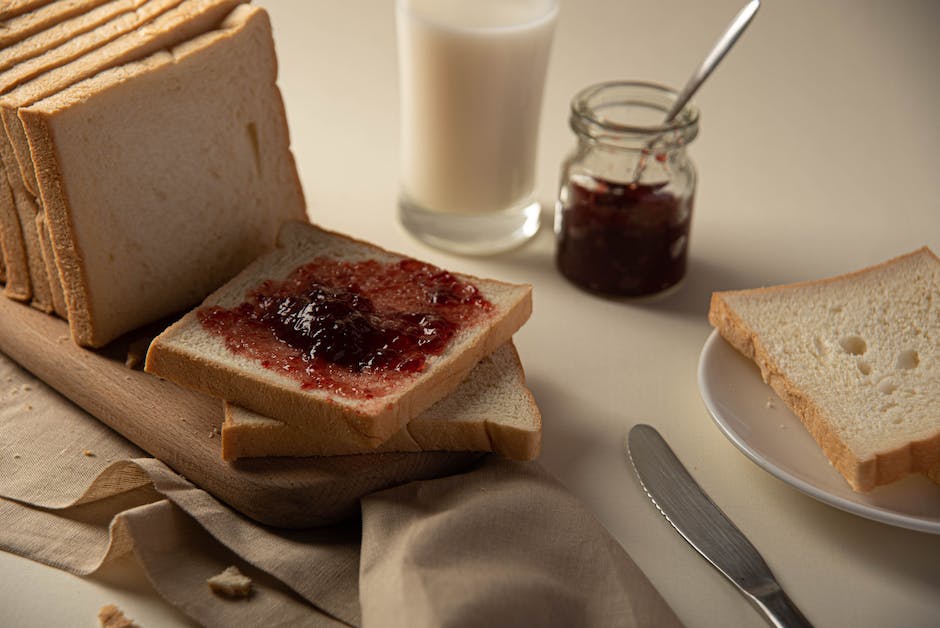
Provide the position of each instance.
(501, 545)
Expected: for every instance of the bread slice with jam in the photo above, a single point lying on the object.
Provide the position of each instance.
(338, 336)
(856, 358)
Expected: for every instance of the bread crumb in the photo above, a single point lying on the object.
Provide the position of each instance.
(110, 616)
(230, 583)
(29, 407)
(88, 453)
(770, 404)
(16, 456)
(27, 387)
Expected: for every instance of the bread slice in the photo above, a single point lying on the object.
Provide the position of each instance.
(491, 410)
(12, 8)
(192, 356)
(856, 357)
(184, 21)
(26, 209)
(58, 34)
(57, 294)
(40, 18)
(18, 213)
(176, 202)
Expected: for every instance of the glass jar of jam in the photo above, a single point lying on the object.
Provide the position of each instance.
(625, 204)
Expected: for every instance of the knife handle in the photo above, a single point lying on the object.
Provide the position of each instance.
(779, 610)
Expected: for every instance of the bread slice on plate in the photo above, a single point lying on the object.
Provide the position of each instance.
(347, 385)
(491, 410)
(150, 212)
(856, 357)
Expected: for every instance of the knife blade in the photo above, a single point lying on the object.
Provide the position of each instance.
(706, 528)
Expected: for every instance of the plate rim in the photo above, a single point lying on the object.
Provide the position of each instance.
(874, 513)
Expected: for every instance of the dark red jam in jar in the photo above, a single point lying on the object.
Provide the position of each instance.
(354, 328)
(625, 203)
(622, 239)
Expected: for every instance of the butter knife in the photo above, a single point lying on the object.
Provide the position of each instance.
(700, 522)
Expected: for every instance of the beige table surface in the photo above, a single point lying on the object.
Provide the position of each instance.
(818, 154)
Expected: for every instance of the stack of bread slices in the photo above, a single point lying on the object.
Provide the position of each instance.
(146, 164)
(471, 396)
(145, 156)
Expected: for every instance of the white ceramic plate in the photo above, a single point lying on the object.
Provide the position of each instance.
(759, 424)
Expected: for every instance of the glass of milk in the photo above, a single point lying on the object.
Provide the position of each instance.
(471, 74)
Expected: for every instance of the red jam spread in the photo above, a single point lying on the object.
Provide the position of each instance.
(622, 239)
(354, 328)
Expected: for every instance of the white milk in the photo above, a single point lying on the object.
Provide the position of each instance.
(471, 77)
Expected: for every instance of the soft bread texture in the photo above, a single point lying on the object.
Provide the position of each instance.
(60, 33)
(42, 17)
(12, 8)
(17, 214)
(27, 49)
(26, 210)
(491, 410)
(16, 268)
(59, 305)
(6, 205)
(110, 616)
(175, 202)
(230, 583)
(190, 356)
(856, 357)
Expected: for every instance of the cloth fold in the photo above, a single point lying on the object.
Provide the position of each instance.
(502, 544)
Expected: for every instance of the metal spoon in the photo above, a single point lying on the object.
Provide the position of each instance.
(715, 55)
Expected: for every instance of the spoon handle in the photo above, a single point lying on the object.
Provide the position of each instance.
(717, 53)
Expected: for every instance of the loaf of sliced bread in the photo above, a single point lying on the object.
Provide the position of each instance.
(17, 236)
(856, 357)
(181, 23)
(376, 403)
(175, 202)
(491, 410)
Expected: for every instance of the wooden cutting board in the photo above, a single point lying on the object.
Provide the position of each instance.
(174, 425)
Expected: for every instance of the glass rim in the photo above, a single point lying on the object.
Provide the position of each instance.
(403, 7)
